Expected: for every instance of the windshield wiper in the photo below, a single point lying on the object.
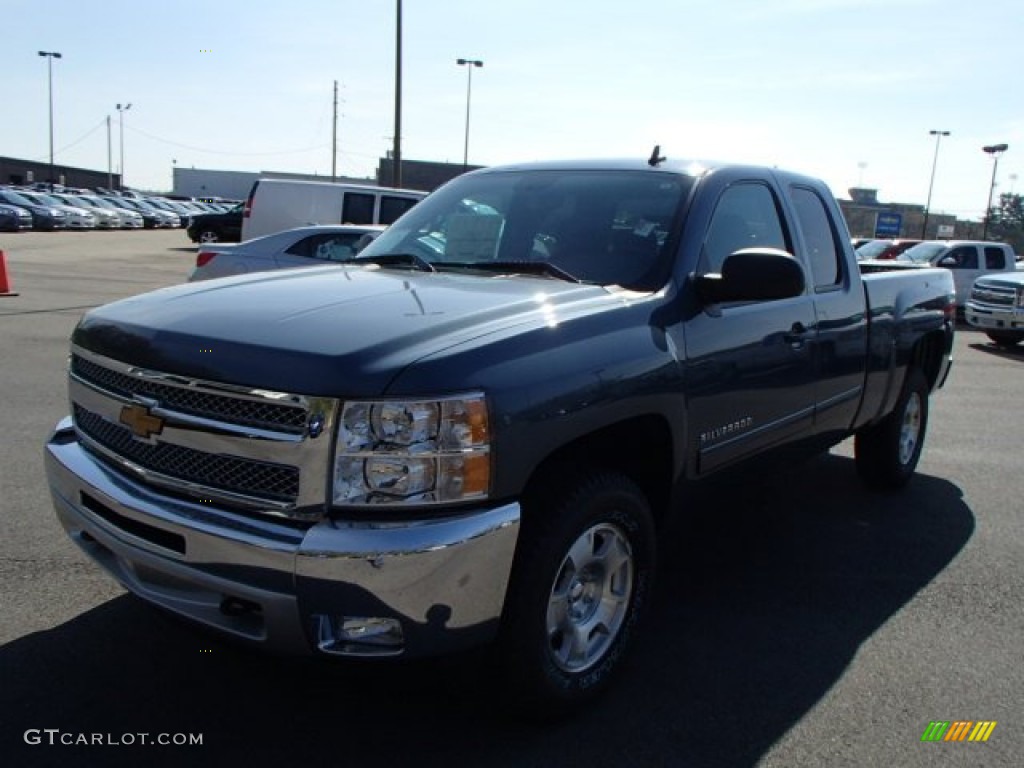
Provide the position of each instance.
(395, 260)
(521, 267)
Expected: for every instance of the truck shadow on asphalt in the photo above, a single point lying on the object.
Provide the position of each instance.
(1009, 353)
(765, 596)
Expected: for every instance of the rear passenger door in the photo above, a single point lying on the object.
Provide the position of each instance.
(840, 343)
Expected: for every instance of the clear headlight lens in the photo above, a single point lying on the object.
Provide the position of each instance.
(412, 452)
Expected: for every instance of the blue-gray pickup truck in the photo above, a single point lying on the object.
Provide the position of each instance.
(472, 433)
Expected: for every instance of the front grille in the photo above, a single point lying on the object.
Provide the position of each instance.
(248, 477)
(994, 295)
(251, 413)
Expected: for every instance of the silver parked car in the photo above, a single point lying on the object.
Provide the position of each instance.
(104, 219)
(77, 217)
(300, 247)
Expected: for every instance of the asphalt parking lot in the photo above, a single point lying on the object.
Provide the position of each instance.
(799, 620)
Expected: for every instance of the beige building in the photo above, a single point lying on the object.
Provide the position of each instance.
(863, 211)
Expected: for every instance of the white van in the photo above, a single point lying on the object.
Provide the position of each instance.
(274, 205)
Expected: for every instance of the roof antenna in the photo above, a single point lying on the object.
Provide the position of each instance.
(656, 158)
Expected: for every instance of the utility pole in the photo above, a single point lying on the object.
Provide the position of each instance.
(396, 152)
(50, 56)
(110, 172)
(334, 137)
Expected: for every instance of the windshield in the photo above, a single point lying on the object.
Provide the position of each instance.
(14, 197)
(923, 252)
(873, 248)
(606, 228)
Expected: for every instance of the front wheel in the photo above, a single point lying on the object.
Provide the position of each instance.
(1005, 339)
(209, 236)
(583, 573)
(887, 453)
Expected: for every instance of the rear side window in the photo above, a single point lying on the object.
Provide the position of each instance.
(392, 207)
(995, 258)
(819, 237)
(328, 247)
(357, 208)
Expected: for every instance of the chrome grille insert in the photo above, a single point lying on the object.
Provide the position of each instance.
(266, 452)
(188, 400)
(994, 295)
(230, 473)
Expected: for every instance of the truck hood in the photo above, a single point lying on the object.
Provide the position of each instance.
(331, 331)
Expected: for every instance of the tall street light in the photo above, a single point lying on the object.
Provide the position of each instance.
(50, 56)
(995, 150)
(935, 161)
(468, 64)
(396, 151)
(121, 109)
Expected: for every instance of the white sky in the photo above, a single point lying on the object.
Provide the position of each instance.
(846, 90)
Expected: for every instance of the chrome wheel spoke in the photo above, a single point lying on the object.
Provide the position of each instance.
(590, 597)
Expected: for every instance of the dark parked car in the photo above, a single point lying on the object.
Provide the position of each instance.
(43, 216)
(14, 219)
(217, 227)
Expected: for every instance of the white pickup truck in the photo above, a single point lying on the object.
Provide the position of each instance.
(966, 259)
(997, 305)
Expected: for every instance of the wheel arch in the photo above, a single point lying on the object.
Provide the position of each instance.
(927, 355)
(641, 448)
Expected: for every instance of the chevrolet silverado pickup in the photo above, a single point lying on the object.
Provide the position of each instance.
(473, 431)
(996, 305)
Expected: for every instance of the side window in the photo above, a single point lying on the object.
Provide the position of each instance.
(964, 257)
(357, 208)
(819, 237)
(746, 217)
(995, 258)
(338, 247)
(393, 207)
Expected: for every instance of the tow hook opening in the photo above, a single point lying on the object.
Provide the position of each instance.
(236, 606)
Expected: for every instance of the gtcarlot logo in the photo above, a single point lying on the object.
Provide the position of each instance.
(56, 737)
(958, 730)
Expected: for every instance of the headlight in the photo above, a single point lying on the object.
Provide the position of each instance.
(1020, 297)
(412, 452)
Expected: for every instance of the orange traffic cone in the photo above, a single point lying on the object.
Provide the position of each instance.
(5, 283)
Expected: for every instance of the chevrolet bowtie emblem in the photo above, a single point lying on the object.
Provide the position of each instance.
(141, 422)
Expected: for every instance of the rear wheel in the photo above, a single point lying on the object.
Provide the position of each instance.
(583, 572)
(887, 453)
(209, 236)
(1005, 338)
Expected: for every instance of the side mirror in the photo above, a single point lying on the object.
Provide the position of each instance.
(947, 261)
(753, 274)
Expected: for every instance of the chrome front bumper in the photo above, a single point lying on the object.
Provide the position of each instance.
(367, 589)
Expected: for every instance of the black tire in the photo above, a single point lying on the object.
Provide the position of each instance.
(582, 577)
(1005, 339)
(209, 236)
(887, 453)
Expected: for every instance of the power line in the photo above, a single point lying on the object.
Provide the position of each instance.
(224, 152)
(76, 142)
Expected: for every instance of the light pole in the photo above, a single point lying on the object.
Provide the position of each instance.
(396, 151)
(935, 161)
(50, 56)
(995, 150)
(121, 109)
(468, 64)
